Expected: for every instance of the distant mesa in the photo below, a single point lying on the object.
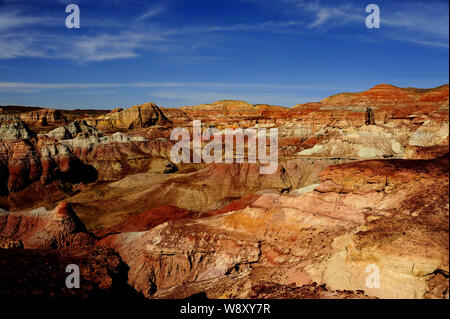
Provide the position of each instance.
(385, 95)
(232, 106)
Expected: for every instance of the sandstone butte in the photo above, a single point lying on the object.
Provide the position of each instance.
(362, 180)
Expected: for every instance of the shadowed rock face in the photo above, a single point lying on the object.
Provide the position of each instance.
(41, 244)
(26, 161)
(101, 273)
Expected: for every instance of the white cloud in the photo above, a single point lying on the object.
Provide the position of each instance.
(425, 23)
(327, 16)
(151, 12)
(14, 19)
(83, 48)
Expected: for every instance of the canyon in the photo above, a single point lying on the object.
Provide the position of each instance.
(361, 180)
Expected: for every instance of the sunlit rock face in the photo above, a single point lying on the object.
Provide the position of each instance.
(138, 116)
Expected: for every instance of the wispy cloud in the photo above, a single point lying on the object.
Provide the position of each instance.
(107, 47)
(423, 23)
(151, 12)
(82, 48)
(25, 35)
(15, 19)
(329, 16)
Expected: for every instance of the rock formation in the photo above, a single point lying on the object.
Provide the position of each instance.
(405, 100)
(44, 117)
(361, 188)
(43, 229)
(73, 130)
(138, 116)
(13, 128)
(52, 241)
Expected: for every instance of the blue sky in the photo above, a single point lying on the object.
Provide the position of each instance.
(186, 52)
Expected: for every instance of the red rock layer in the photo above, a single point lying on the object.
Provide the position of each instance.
(147, 220)
(42, 229)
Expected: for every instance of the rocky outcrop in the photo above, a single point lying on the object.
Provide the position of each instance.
(138, 116)
(44, 117)
(42, 244)
(74, 129)
(25, 160)
(431, 133)
(28, 161)
(43, 229)
(358, 143)
(13, 128)
(118, 155)
(176, 116)
(231, 107)
(382, 122)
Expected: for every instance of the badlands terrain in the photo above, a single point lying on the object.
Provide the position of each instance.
(362, 180)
